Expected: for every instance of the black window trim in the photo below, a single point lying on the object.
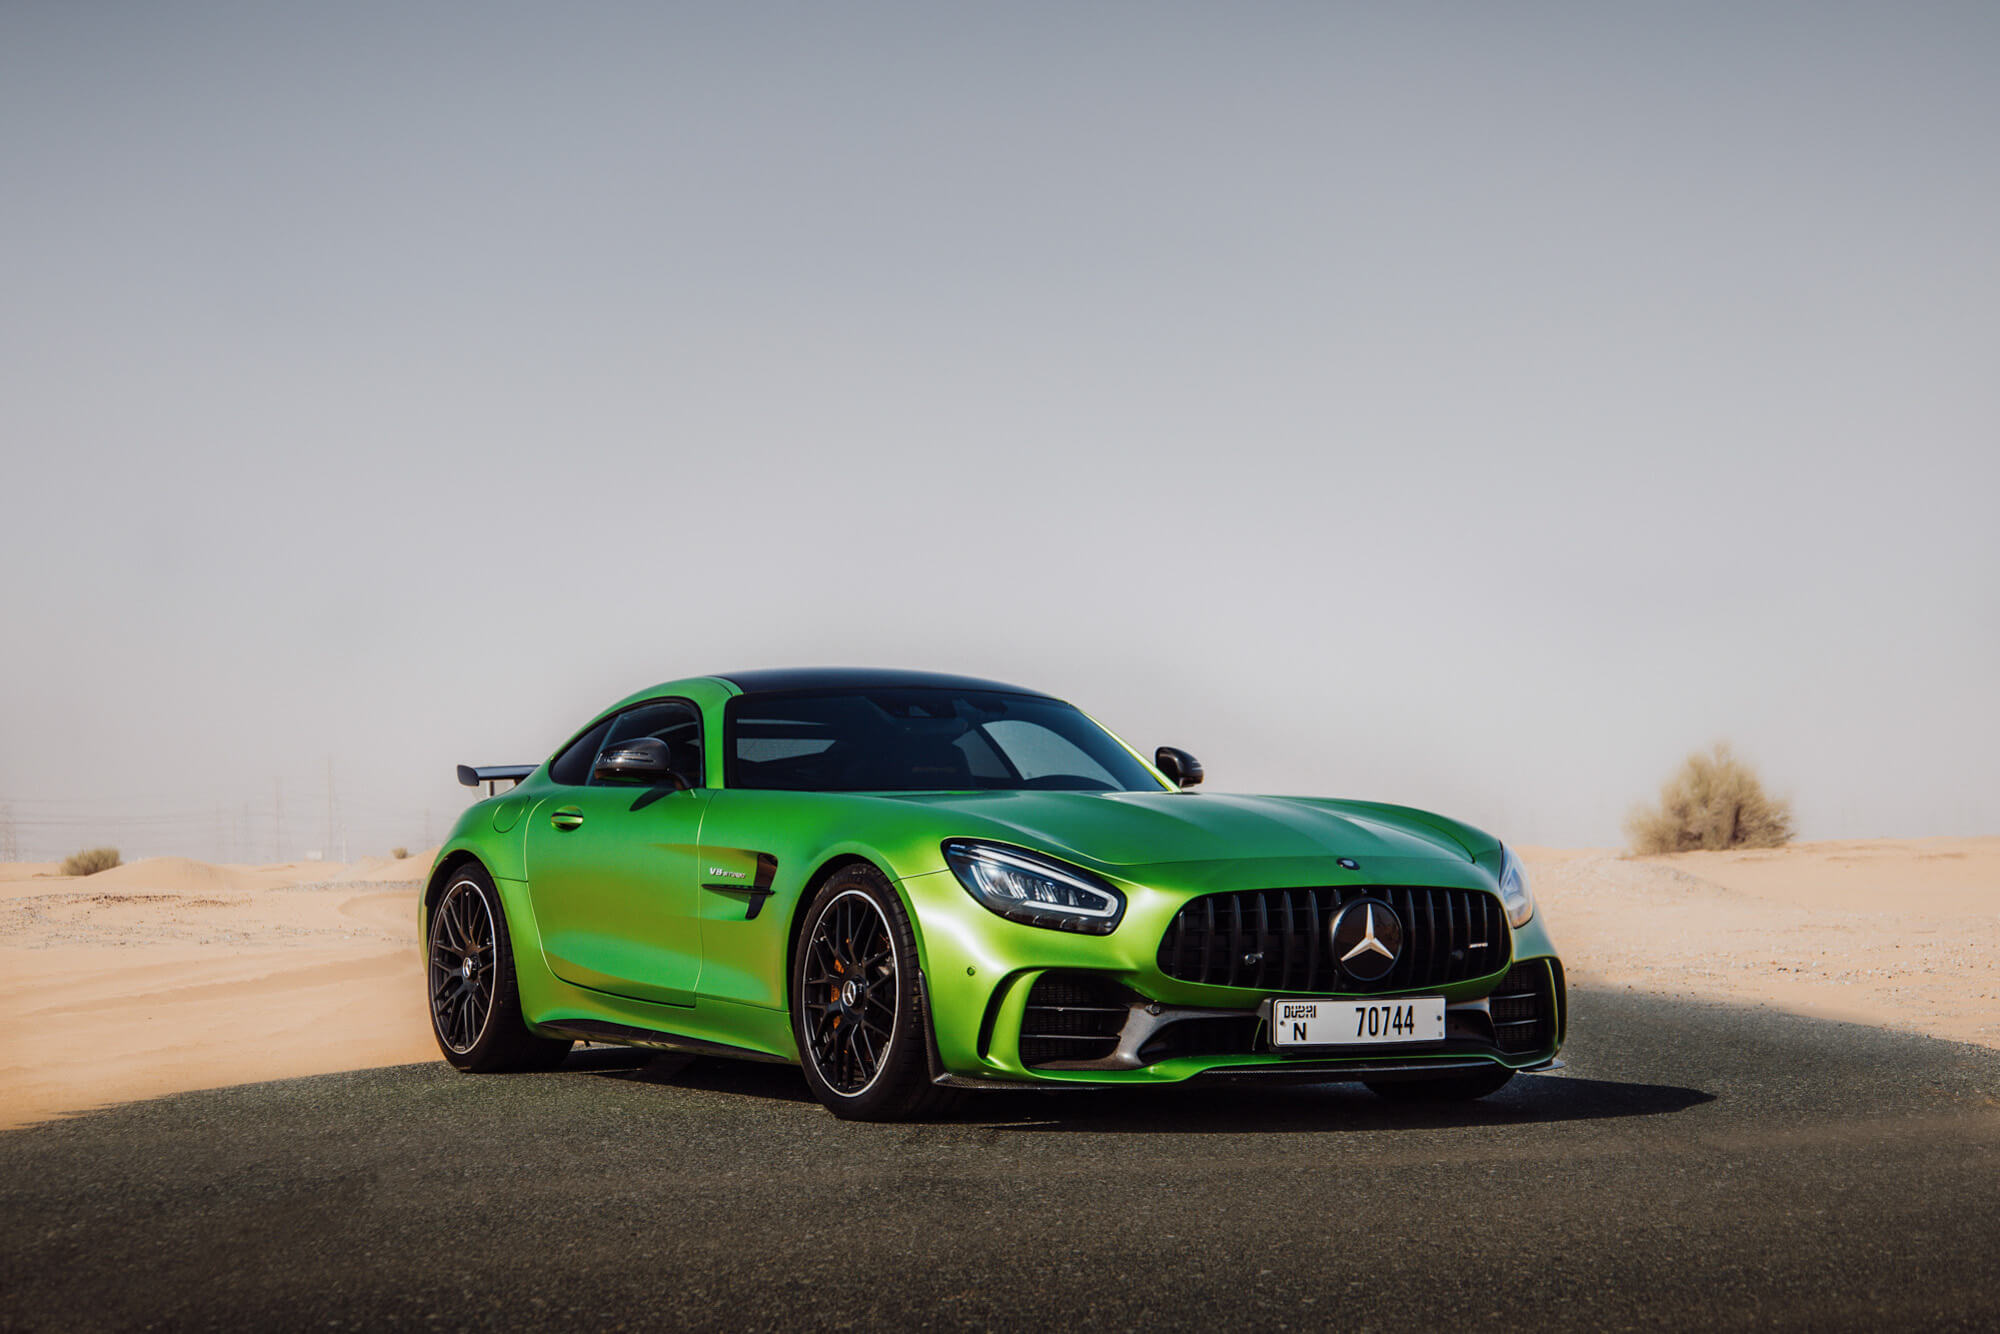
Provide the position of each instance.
(549, 766)
(611, 718)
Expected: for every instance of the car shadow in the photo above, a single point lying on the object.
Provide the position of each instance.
(632, 1065)
(1232, 1110)
(1323, 1108)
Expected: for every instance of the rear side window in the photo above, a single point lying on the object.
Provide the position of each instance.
(572, 767)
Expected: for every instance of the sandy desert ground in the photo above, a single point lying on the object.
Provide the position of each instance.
(1900, 933)
(167, 975)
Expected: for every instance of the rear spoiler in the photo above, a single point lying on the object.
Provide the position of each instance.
(493, 775)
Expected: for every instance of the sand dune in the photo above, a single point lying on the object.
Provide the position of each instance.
(389, 870)
(171, 974)
(179, 875)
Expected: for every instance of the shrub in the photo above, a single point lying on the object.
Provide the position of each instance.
(90, 861)
(399, 853)
(1713, 801)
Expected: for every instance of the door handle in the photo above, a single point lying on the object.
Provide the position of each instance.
(566, 817)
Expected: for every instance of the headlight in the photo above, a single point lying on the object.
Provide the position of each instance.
(1040, 891)
(1514, 889)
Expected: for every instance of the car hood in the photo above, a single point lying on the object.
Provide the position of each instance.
(1120, 831)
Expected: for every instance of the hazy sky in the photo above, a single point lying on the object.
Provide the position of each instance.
(1476, 406)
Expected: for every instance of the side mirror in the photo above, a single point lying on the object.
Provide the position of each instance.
(1179, 766)
(641, 760)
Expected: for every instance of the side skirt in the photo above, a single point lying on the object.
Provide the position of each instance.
(625, 1035)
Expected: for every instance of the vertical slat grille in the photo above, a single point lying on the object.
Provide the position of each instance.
(1461, 932)
(1405, 971)
(1275, 940)
(1207, 935)
(1286, 950)
(1235, 950)
(1312, 938)
(1431, 921)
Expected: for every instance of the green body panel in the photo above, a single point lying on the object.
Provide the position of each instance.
(674, 912)
(615, 889)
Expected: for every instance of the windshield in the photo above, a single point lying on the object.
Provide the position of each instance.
(922, 740)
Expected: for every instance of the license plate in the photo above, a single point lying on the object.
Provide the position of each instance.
(1321, 1023)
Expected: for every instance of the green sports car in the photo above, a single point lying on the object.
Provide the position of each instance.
(910, 884)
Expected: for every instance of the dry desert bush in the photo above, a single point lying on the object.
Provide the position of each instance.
(1713, 801)
(399, 853)
(90, 861)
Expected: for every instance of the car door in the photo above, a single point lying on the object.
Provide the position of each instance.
(612, 866)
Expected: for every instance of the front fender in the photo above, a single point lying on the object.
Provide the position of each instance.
(490, 832)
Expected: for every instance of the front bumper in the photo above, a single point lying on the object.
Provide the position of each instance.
(1015, 1006)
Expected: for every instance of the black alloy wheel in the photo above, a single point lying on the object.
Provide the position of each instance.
(850, 993)
(474, 1002)
(857, 1013)
(462, 967)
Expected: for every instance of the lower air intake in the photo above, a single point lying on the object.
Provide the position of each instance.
(1072, 1017)
(1525, 1011)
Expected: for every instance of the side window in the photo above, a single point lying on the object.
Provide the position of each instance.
(572, 767)
(673, 721)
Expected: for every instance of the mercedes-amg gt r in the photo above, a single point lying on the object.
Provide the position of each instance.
(910, 884)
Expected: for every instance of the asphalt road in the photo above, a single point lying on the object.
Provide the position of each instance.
(1695, 1165)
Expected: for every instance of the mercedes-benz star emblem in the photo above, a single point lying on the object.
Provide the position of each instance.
(1367, 939)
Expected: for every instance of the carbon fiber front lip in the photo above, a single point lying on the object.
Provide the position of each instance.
(1337, 1072)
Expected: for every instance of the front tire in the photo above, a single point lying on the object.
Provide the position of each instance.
(474, 1002)
(856, 1014)
(1448, 1088)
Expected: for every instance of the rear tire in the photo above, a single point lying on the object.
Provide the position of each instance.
(474, 1002)
(864, 1039)
(1446, 1088)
